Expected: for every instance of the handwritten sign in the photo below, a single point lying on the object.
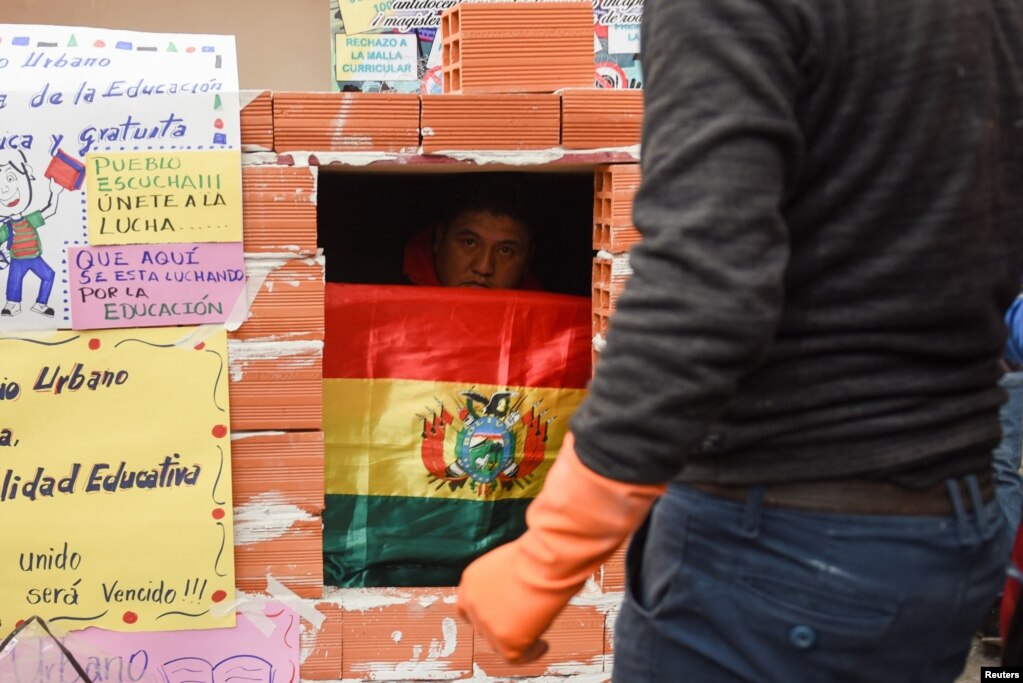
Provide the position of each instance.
(67, 92)
(164, 197)
(380, 57)
(263, 647)
(115, 480)
(153, 285)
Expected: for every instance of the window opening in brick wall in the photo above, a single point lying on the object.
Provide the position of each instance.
(365, 219)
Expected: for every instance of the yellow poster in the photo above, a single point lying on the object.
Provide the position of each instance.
(115, 480)
(163, 197)
(358, 15)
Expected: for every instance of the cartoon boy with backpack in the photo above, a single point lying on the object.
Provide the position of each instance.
(19, 231)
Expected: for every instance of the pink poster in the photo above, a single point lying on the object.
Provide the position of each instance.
(263, 647)
(150, 285)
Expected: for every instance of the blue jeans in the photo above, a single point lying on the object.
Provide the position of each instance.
(20, 268)
(1009, 451)
(725, 591)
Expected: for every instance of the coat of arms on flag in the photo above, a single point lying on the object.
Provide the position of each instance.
(443, 410)
(488, 431)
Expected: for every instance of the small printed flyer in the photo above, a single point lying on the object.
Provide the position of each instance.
(394, 45)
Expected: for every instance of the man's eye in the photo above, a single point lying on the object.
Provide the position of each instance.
(507, 251)
(468, 241)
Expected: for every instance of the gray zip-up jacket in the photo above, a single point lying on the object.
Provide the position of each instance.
(832, 219)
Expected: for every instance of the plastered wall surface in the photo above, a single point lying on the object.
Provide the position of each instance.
(291, 54)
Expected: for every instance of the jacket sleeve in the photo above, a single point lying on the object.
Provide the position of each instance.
(720, 138)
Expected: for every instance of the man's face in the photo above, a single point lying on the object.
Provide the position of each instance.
(480, 249)
(15, 191)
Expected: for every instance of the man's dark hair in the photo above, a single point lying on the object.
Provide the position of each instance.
(501, 194)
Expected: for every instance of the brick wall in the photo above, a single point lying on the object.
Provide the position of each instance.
(400, 634)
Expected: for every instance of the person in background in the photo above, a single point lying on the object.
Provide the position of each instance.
(802, 372)
(1010, 451)
(484, 239)
(1008, 455)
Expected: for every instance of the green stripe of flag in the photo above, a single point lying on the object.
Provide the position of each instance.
(372, 541)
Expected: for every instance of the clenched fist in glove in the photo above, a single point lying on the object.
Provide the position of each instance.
(513, 593)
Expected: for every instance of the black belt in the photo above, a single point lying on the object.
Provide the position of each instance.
(859, 496)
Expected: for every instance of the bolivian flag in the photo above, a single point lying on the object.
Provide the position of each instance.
(443, 409)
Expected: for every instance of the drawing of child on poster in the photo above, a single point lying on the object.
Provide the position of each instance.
(19, 232)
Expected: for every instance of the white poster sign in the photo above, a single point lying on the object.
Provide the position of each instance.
(67, 92)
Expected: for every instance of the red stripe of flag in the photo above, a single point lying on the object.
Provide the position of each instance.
(504, 337)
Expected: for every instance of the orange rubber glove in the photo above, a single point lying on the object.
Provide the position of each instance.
(513, 593)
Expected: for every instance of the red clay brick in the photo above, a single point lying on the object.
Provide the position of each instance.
(279, 210)
(517, 47)
(594, 118)
(276, 385)
(257, 122)
(420, 637)
(324, 659)
(614, 188)
(346, 122)
(289, 305)
(576, 640)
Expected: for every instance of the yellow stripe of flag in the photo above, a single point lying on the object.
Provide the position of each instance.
(390, 437)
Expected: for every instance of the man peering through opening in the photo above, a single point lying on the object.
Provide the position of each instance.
(484, 239)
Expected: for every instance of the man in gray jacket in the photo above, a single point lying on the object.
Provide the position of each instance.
(807, 354)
